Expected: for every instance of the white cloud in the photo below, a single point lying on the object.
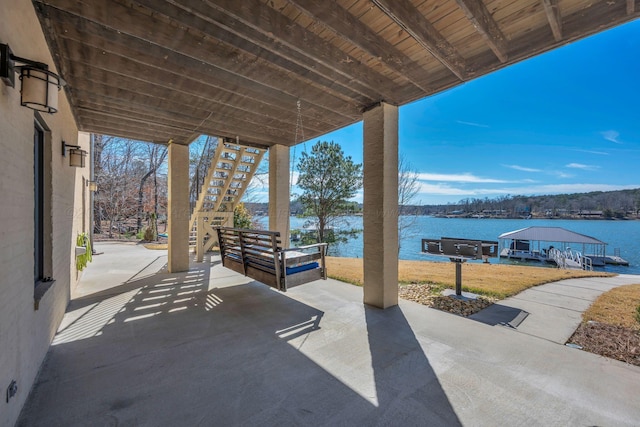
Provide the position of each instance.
(600, 153)
(463, 177)
(441, 190)
(522, 168)
(294, 177)
(478, 125)
(611, 135)
(581, 166)
(561, 174)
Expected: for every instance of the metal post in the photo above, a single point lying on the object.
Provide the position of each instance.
(459, 277)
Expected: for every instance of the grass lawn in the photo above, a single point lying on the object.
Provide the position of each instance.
(156, 246)
(494, 280)
(610, 326)
(616, 307)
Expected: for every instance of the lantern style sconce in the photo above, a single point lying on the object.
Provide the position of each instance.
(93, 186)
(39, 86)
(76, 155)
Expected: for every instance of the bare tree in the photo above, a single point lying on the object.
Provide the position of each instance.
(99, 143)
(407, 190)
(258, 182)
(115, 199)
(155, 156)
(201, 152)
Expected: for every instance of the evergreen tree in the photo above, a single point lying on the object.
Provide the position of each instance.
(328, 179)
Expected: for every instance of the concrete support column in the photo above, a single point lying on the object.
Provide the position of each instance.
(279, 197)
(178, 209)
(381, 206)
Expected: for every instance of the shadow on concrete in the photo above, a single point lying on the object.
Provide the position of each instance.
(498, 314)
(182, 349)
(408, 390)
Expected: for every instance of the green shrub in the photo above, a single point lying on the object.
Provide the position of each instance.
(241, 216)
(85, 258)
(150, 234)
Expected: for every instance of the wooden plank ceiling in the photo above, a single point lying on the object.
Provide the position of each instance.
(157, 70)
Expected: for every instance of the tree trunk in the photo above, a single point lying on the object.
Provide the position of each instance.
(140, 196)
(155, 203)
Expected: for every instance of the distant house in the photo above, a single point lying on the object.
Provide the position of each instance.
(591, 214)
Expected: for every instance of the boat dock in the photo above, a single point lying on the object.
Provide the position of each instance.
(557, 245)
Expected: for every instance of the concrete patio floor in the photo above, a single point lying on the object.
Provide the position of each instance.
(140, 346)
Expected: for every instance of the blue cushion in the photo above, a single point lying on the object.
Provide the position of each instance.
(233, 256)
(300, 268)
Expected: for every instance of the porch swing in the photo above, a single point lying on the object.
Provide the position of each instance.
(259, 254)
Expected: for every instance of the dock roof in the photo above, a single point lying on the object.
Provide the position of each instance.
(550, 234)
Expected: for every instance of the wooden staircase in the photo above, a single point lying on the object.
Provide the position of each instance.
(230, 172)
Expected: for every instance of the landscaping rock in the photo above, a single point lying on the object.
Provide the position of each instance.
(431, 296)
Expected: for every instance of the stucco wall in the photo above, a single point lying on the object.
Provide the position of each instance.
(25, 333)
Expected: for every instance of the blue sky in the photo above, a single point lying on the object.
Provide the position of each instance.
(567, 121)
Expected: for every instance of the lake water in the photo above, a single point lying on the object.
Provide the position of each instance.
(617, 234)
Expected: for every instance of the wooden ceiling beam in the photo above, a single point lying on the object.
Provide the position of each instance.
(141, 113)
(348, 27)
(407, 17)
(240, 36)
(590, 20)
(99, 84)
(153, 137)
(158, 78)
(219, 122)
(177, 115)
(141, 126)
(258, 101)
(229, 65)
(486, 26)
(552, 9)
(243, 99)
(133, 127)
(182, 115)
(97, 90)
(117, 99)
(278, 37)
(118, 111)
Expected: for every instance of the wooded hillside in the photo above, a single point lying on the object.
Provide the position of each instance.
(623, 204)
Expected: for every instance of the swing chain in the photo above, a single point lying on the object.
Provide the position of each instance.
(299, 127)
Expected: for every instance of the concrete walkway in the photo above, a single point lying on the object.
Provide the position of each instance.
(211, 347)
(116, 264)
(552, 311)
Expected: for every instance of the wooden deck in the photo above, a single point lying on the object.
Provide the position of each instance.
(155, 70)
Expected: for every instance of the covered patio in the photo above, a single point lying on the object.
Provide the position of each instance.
(142, 346)
(169, 341)
(168, 72)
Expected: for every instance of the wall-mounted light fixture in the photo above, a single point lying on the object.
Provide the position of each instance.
(93, 186)
(39, 86)
(76, 154)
